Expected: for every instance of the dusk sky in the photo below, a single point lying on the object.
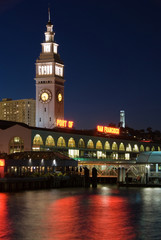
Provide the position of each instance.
(111, 52)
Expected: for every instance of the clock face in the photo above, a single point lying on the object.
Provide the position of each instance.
(60, 97)
(45, 96)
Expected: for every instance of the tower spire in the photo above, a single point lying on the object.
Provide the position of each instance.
(49, 15)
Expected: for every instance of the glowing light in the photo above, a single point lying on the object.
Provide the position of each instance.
(64, 123)
(105, 129)
(2, 162)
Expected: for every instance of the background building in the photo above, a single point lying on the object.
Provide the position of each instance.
(122, 118)
(22, 110)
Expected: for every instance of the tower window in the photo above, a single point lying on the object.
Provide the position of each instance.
(50, 119)
(44, 109)
(45, 70)
(59, 71)
(40, 120)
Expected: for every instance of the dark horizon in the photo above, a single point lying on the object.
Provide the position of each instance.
(111, 52)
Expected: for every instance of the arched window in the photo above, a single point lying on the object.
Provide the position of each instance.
(50, 141)
(61, 142)
(114, 146)
(71, 143)
(142, 148)
(135, 148)
(81, 143)
(147, 148)
(121, 147)
(107, 146)
(153, 148)
(99, 144)
(90, 144)
(16, 144)
(37, 140)
(128, 148)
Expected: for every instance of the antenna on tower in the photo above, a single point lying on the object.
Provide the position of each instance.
(49, 13)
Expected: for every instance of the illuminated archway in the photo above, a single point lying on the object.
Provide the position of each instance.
(153, 148)
(142, 148)
(50, 141)
(158, 148)
(147, 148)
(90, 144)
(71, 143)
(98, 145)
(121, 147)
(61, 142)
(16, 144)
(135, 148)
(128, 148)
(81, 143)
(37, 140)
(107, 146)
(114, 146)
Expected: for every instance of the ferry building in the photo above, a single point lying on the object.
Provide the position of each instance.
(53, 132)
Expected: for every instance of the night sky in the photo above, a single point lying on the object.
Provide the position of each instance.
(111, 51)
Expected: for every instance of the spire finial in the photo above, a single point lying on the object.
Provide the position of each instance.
(48, 14)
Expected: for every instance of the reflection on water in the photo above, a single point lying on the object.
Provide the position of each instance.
(96, 214)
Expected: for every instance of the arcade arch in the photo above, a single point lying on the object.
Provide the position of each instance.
(50, 141)
(61, 142)
(98, 145)
(114, 146)
(71, 143)
(90, 144)
(81, 143)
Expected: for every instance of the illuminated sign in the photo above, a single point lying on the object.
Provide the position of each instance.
(2, 162)
(64, 123)
(104, 129)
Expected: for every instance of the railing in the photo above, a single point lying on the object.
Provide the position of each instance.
(155, 174)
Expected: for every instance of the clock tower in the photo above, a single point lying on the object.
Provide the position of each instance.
(49, 82)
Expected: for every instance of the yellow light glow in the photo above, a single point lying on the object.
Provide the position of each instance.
(44, 96)
(60, 97)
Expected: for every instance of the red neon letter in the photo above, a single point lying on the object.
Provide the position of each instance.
(70, 124)
(2, 162)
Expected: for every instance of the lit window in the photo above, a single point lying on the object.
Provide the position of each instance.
(37, 140)
(90, 144)
(135, 148)
(114, 146)
(71, 142)
(81, 143)
(121, 147)
(16, 145)
(61, 142)
(59, 71)
(55, 48)
(50, 141)
(99, 145)
(107, 146)
(47, 48)
(128, 148)
(147, 148)
(141, 148)
(45, 70)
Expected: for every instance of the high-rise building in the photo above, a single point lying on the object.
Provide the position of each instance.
(122, 118)
(22, 110)
(49, 82)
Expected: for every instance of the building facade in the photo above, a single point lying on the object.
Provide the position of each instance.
(77, 144)
(22, 110)
(49, 82)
